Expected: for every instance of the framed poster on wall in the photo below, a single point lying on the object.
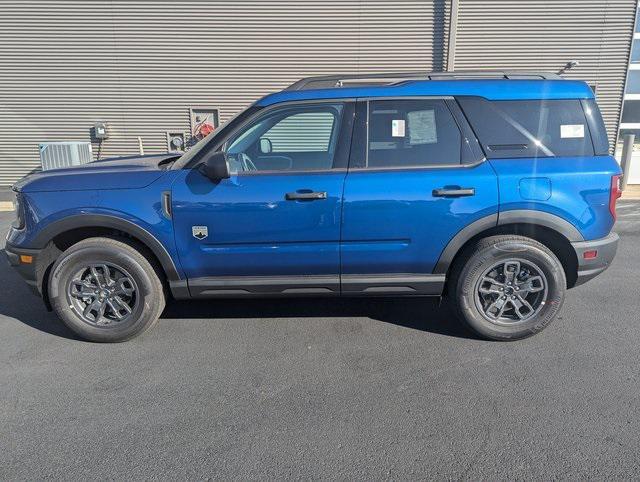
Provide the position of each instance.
(204, 120)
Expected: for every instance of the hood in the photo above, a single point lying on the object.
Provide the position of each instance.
(133, 172)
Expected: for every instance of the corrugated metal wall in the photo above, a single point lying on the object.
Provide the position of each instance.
(545, 35)
(140, 65)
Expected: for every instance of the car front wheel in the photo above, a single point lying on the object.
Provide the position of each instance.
(106, 290)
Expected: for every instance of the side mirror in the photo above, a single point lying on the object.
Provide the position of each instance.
(266, 147)
(216, 166)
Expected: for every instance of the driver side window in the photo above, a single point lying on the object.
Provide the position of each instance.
(294, 138)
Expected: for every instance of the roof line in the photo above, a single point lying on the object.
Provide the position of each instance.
(338, 80)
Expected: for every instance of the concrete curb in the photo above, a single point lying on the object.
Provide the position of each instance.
(6, 206)
(631, 193)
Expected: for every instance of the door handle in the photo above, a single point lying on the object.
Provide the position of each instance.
(454, 192)
(305, 195)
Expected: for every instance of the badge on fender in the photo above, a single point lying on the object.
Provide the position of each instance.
(199, 232)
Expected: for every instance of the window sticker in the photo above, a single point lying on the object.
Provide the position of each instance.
(422, 127)
(397, 128)
(382, 145)
(572, 131)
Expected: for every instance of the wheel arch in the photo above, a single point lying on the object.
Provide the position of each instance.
(552, 231)
(58, 236)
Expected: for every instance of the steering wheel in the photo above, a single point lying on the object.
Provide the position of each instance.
(247, 163)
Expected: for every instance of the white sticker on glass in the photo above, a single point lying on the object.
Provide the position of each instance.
(397, 128)
(571, 131)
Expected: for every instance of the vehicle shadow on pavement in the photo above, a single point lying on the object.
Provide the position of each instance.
(425, 314)
(17, 301)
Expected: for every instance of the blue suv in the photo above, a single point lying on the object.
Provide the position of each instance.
(495, 189)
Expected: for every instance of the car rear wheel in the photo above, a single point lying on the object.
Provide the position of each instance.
(106, 290)
(507, 287)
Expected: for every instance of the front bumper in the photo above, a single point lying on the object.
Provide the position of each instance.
(28, 271)
(606, 250)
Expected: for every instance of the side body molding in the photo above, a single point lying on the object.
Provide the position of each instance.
(112, 222)
(520, 216)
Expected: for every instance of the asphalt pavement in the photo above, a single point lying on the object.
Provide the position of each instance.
(327, 389)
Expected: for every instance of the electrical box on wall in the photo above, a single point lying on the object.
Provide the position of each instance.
(100, 130)
(175, 141)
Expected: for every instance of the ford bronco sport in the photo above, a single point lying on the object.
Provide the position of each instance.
(496, 189)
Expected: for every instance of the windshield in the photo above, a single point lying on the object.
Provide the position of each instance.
(212, 139)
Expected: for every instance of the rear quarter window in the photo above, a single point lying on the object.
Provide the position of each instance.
(596, 127)
(529, 128)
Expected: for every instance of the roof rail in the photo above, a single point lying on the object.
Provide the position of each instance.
(336, 80)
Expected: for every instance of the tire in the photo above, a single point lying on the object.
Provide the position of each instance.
(132, 280)
(486, 302)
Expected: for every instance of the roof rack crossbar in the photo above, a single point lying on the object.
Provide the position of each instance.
(337, 80)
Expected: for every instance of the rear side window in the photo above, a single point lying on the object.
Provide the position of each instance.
(529, 128)
(411, 133)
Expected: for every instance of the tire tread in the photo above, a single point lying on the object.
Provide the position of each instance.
(141, 255)
(454, 286)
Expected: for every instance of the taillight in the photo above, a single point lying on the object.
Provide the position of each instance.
(615, 194)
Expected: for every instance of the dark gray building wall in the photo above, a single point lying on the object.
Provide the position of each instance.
(545, 35)
(140, 65)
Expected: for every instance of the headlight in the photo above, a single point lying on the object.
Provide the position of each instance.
(18, 223)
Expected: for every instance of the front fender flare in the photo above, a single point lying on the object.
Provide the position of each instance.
(114, 222)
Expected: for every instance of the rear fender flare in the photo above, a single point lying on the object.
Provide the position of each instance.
(520, 216)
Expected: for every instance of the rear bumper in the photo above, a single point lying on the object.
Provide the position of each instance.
(589, 268)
